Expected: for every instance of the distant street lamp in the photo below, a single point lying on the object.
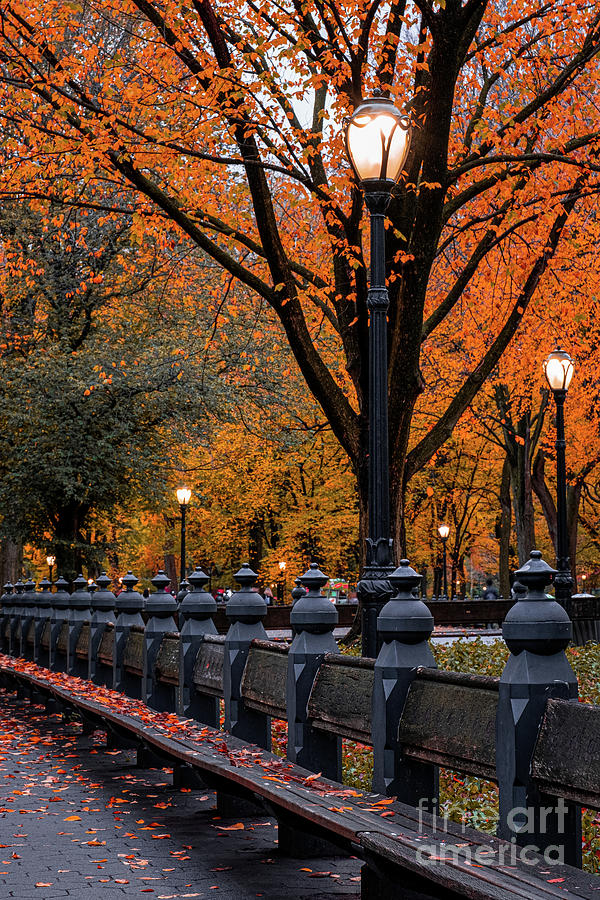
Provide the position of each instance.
(50, 559)
(558, 369)
(377, 139)
(444, 531)
(583, 578)
(183, 498)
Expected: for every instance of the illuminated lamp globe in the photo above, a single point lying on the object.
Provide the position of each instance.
(183, 496)
(377, 138)
(558, 369)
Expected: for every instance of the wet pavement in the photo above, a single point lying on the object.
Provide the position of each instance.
(79, 820)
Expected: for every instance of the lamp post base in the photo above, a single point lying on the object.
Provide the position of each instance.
(563, 586)
(374, 590)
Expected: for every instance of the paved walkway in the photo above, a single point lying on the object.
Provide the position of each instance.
(78, 820)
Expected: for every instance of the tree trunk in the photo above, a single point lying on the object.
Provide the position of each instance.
(171, 569)
(11, 561)
(544, 496)
(522, 491)
(69, 543)
(503, 531)
(549, 509)
(573, 501)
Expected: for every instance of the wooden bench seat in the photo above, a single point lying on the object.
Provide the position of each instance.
(401, 847)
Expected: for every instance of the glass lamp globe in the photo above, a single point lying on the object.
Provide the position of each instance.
(444, 531)
(558, 369)
(377, 139)
(183, 496)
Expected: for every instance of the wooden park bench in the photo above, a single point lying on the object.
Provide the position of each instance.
(448, 720)
(397, 848)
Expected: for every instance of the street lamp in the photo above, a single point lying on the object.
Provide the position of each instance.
(558, 369)
(183, 498)
(50, 560)
(377, 138)
(444, 531)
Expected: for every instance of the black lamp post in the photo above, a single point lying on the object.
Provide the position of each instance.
(444, 531)
(50, 559)
(377, 138)
(558, 369)
(183, 498)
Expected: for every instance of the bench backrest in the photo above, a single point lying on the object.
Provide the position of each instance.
(566, 759)
(83, 641)
(107, 645)
(265, 678)
(133, 653)
(45, 639)
(167, 659)
(449, 719)
(62, 642)
(208, 668)
(340, 700)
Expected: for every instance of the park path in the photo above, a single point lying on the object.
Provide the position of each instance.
(78, 820)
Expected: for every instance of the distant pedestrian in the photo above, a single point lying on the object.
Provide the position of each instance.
(490, 591)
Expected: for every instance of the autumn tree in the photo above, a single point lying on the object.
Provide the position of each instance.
(458, 488)
(225, 123)
(89, 381)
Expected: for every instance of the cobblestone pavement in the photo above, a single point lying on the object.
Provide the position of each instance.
(78, 820)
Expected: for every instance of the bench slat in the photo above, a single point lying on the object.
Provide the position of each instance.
(449, 719)
(107, 644)
(167, 660)
(62, 642)
(458, 876)
(340, 700)
(208, 668)
(133, 654)
(83, 641)
(566, 761)
(45, 639)
(265, 678)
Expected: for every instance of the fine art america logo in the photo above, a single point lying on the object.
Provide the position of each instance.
(508, 853)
